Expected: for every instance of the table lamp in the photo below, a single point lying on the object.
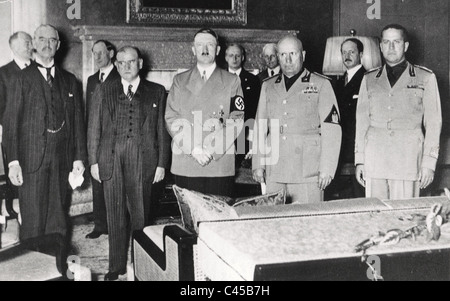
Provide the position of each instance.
(332, 63)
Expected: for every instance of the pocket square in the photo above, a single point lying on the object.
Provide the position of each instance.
(355, 96)
(248, 88)
(70, 95)
(154, 105)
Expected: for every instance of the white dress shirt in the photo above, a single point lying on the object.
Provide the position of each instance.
(106, 71)
(135, 83)
(352, 72)
(208, 70)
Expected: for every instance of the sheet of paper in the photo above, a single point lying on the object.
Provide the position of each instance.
(75, 181)
(2, 220)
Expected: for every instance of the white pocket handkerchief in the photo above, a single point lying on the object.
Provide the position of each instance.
(154, 105)
(70, 95)
(355, 96)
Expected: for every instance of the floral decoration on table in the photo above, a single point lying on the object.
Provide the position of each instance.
(428, 225)
(425, 225)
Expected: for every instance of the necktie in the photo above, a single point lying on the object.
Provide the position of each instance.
(272, 73)
(49, 76)
(130, 92)
(346, 79)
(102, 75)
(204, 76)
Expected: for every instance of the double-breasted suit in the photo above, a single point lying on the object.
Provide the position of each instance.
(297, 132)
(128, 141)
(98, 199)
(390, 141)
(31, 140)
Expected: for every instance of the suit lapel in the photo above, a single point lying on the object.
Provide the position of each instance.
(144, 97)
(195, 82)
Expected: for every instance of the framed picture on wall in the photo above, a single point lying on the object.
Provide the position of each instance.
(207, 12)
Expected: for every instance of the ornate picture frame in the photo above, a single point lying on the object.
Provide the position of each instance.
(225, 12)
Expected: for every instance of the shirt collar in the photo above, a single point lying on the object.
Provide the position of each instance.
(107, 70)
(43, 69)
(21, 63)
(276, 70)
(351, 72)
(135, 83)
(209, 70)
(237, 72)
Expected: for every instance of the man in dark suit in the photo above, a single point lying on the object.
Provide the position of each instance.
(251, 87)
(21, 46)
(103, 52)
(129, 150)
(270, 57)
(345, 184)
(45, 139)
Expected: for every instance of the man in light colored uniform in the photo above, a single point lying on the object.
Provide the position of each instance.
(298, 117)
(394, 157)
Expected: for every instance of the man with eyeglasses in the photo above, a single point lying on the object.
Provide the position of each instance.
(398, 123)
(103, 52)
(270, 58)
(45, 139)
(129, 151)
(204, 115)
(297, 117)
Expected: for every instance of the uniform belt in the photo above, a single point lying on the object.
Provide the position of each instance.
(395, 125)
(57, 130)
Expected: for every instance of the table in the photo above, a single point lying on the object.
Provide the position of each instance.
(321, 247)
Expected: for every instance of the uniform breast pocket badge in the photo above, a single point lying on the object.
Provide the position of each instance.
(310, 90)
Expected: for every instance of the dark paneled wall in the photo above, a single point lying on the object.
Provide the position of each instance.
(314, 20)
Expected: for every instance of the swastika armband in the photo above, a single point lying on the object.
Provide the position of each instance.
(333, 117)
(237, 103)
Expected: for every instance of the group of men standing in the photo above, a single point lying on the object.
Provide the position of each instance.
(293, 118)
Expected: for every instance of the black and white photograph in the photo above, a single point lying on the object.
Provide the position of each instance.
(204, 143)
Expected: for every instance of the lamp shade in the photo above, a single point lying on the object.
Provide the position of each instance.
(332, 62)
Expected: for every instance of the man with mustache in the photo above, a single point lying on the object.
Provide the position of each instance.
(347, 89)
(204, 115)
(45, 139)
(398, 123)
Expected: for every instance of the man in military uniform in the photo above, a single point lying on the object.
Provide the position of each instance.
(394, 158)
(204, 115)
(297, 117)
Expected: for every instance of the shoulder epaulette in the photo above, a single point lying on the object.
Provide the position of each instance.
(423, 68)
(373, 70)
(270, 77)
(321, 75)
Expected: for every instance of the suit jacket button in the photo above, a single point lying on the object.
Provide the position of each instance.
(112, 152)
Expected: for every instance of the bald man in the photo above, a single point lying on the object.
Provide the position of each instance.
(21, 46)
(297, 133)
